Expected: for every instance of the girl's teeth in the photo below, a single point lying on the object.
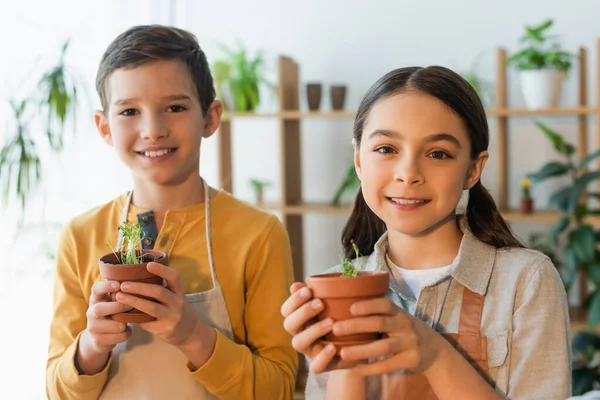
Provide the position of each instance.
(407, 202)
(157, 153)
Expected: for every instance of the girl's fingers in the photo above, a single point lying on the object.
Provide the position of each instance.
(305, 339)
(300, 295)
(404, 360)
(378, 306)
(323, 360)
(372, 324)
(378, 348)
(295, 322)
(106, 308)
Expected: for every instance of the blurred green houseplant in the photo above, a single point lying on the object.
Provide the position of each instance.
(238, 78)
(54, 100)
(540, 51)
(581, 252)
(585, 364)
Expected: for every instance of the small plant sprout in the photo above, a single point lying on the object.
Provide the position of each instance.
(132, 242)
(525, 188)
(349, 270)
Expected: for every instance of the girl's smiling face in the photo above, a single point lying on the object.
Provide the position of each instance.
(414, 161)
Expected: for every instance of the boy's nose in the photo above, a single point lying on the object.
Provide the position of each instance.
(154, 129)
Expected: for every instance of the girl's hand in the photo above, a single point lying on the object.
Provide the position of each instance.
(176, 323)
(408, 343)
(300, 311)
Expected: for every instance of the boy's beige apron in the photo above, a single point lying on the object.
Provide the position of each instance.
(469, 341)
(144, 367)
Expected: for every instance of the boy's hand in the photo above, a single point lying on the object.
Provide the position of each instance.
(101, 334)
(176, 323)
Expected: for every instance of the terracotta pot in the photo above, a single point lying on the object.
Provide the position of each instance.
(313, 95)
(338, 97)
(527, 205)
(339, 293)
(111, 270)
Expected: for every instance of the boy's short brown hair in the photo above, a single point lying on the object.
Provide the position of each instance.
(143, 44)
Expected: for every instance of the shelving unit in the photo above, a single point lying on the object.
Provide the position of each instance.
(292, 206)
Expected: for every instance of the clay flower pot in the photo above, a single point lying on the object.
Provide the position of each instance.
(527, 205)
(110, 269)
(339, 293)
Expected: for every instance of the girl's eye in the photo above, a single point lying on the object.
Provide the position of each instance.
(440, 155)
(384, 150)
(176, 109)
(130, 112)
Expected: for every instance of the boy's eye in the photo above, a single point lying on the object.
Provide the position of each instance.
(440, 155)
(384, 150)
(176, 109)
(129, 112)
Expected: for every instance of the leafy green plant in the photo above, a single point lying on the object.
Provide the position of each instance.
(348, 269)
(483, 87)
(130, 250)
(238, 78)
(259, 187)
(349, 183)
(585, 363)
(581, 251)
(539, 241)
(56, 97)
(540, 51)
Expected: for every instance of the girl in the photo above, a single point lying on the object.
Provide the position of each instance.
(471, 313)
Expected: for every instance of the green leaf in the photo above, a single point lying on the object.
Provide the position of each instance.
(564, 199)
(584, 380)
(559, 228)
(589, 159)
(583, 240)
(572, 265)
(557, 140)
(593, 271)
(594, 310)
(551, 169)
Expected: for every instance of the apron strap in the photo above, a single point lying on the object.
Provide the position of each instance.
(470, 313)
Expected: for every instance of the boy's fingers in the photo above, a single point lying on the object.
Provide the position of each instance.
(101, 289)
(102, 326)
(295, 322)
(105, 308)
(304, 340)
(170, 275)
(296, 286)
(323, 359)
(111, 339)
(297, 299)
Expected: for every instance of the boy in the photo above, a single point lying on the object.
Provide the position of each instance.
(218, 331)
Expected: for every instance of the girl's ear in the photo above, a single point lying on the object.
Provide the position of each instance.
(356, 158)
(103, 127)
(475, 170)
(212, 119)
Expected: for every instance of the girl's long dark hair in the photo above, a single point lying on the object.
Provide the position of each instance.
(485, 221)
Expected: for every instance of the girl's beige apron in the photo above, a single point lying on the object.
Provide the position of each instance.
(469, 342)
(144, 367)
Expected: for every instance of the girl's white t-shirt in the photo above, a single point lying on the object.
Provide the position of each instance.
(411, 281)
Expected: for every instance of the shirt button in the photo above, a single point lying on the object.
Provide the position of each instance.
(144, 218)
(148, 241)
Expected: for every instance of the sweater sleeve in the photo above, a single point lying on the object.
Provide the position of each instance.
(265, 366)
(63, 381)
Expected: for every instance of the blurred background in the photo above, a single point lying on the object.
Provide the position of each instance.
(56, 46)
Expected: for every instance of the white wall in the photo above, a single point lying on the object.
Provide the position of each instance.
(352, 42)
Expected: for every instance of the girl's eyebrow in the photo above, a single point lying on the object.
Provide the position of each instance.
(436, 137)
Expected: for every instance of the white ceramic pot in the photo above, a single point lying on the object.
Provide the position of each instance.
(542, 87)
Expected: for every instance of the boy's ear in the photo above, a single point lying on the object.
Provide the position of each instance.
(475, 170)
(212, 118)
(103, 127)
(356, 159)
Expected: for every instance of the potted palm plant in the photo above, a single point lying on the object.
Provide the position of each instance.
(542, 66)
(238, 78)
(582, 238)
(129, 263)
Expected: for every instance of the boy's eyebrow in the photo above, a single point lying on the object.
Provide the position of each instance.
(436, 137)
(169, 98)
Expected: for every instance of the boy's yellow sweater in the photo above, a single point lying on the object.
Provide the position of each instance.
(252, 262)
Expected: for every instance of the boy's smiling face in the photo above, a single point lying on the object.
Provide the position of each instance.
(155, 123)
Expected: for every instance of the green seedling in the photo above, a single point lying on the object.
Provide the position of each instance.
(349, 270)
(132, 242)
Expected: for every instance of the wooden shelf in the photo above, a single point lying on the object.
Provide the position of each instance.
(491, 112)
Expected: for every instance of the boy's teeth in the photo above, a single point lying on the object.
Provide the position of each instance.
(158, 153)
(406, 202)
